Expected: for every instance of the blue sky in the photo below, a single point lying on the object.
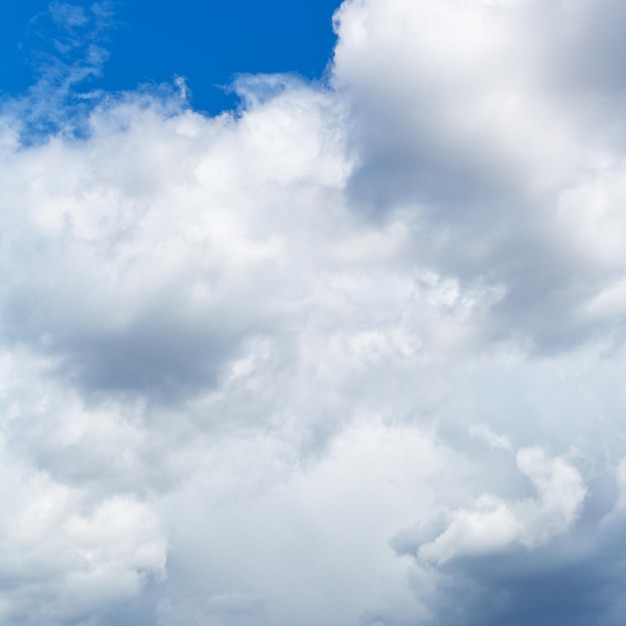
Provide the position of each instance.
(344, 347)
(207, 42)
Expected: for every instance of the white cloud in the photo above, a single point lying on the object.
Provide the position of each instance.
(493, 440)
(514, 176)
(493, 524)
(64, 555)
(239, 355)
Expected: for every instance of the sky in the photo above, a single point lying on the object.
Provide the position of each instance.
(313, 314)
(207, 42)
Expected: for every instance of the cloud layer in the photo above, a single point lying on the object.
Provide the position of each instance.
(350, 355)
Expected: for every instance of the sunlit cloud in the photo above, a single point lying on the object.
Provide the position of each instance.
(349, 354)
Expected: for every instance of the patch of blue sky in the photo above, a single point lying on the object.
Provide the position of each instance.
(150, 43)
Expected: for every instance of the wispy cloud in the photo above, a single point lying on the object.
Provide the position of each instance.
(67, 46)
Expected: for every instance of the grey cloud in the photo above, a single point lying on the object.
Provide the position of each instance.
(432, 146)
(588, 43)
(159, 356)
(577, 579)
(163, 363)
(555, 585)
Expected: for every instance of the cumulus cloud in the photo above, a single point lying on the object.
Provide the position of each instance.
(64, 554)
(271, 367)
(474, 115)
(494, 525)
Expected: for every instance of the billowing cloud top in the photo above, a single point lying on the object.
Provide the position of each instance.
(352, 354)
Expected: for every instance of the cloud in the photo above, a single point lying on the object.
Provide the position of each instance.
(270, 367)
(464, 114)
(494, 525)
(66, 46)
(64, 555)
(493, 440)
